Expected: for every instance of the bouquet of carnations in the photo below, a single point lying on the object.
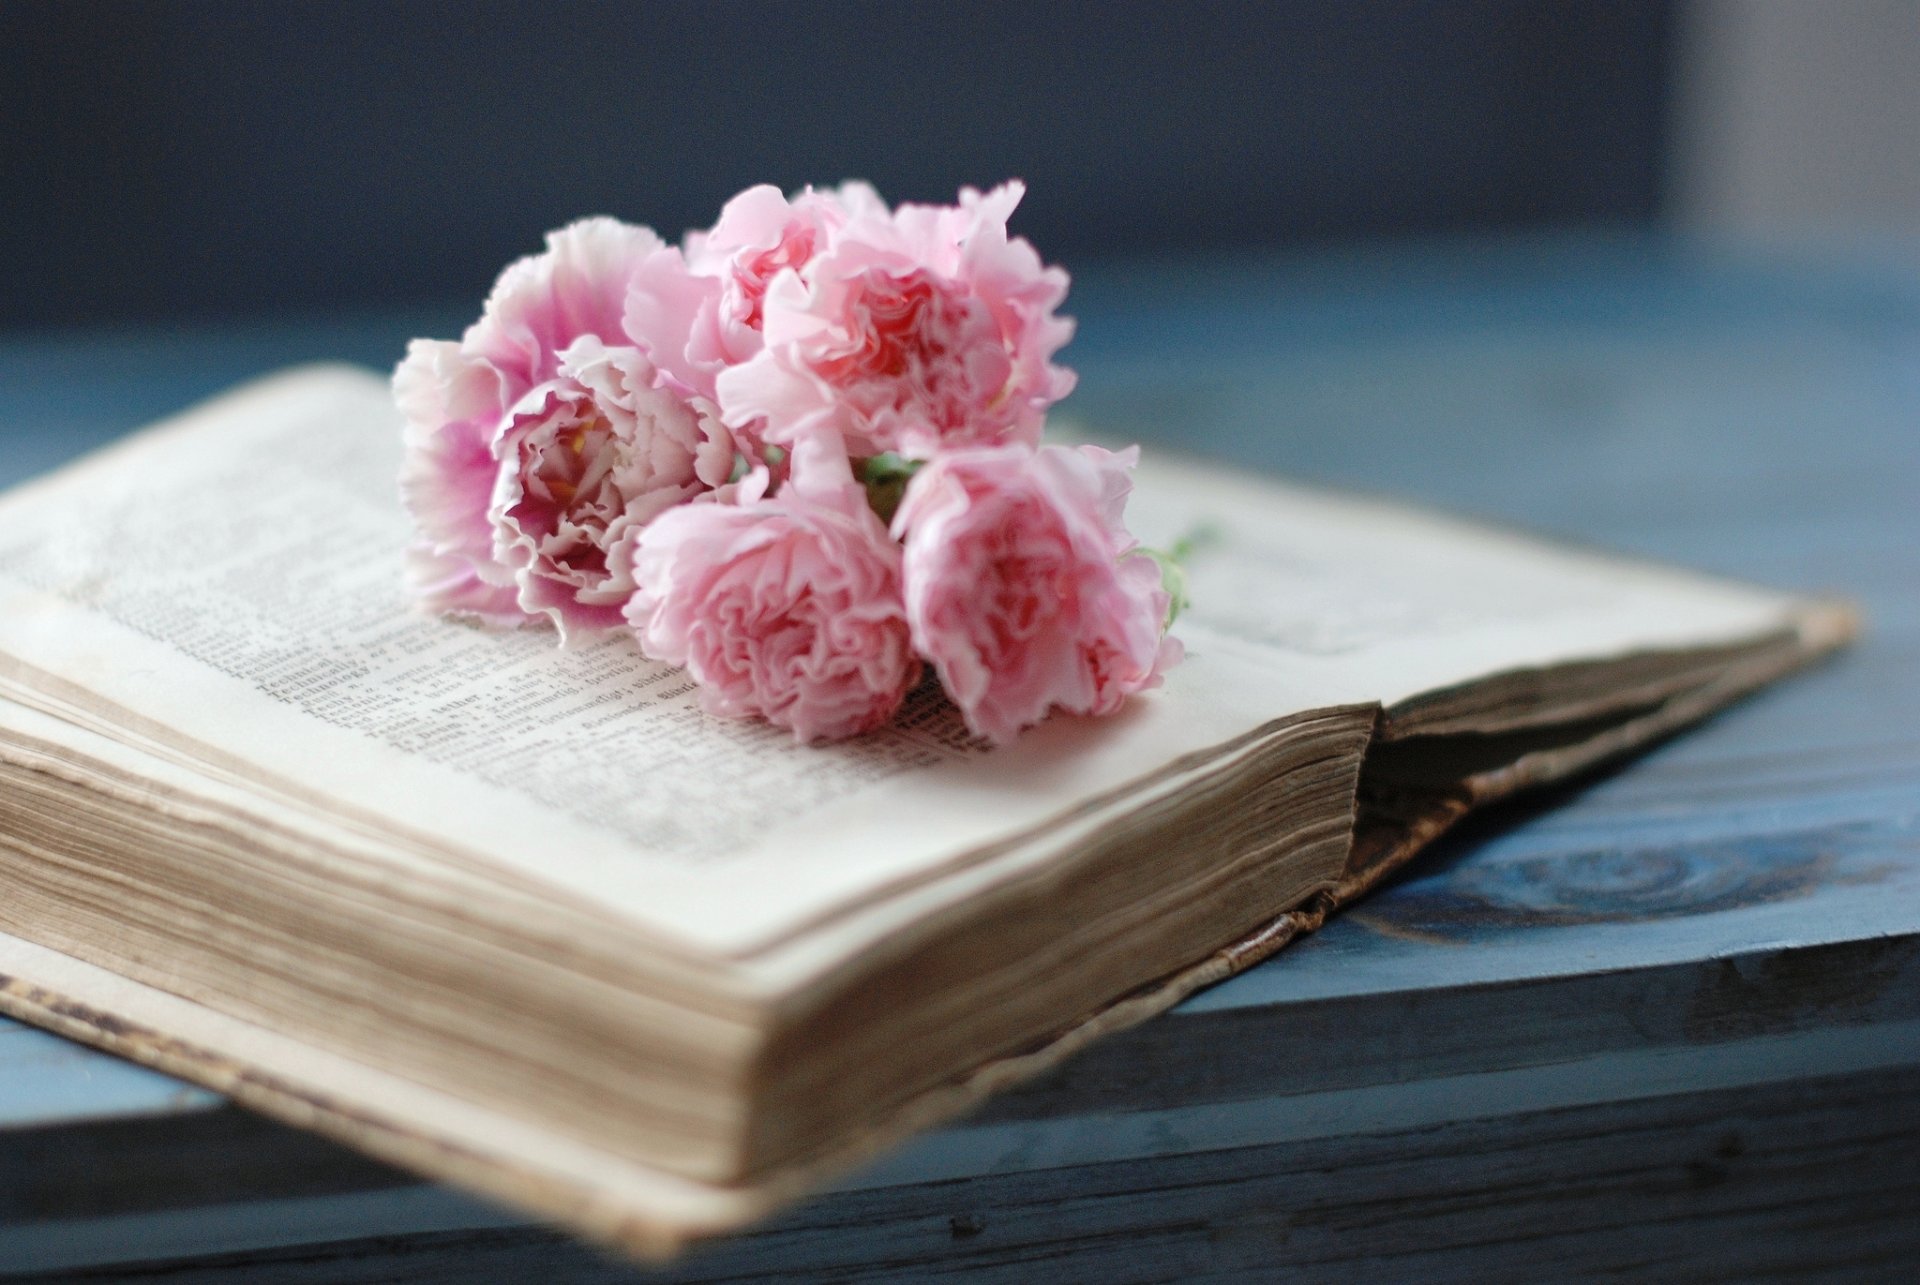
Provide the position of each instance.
(798, 454)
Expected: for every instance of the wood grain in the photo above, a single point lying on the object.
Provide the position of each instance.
(1811, 1178)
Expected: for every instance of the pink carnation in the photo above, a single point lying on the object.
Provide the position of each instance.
(703, 313)
(760, 235)
(907, 331)
(1023, 588)
(542, 303)
(583, 458)
(785, 607)
(451, 407)
(540, 437)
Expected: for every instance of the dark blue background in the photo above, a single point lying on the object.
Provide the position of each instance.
(184, 159)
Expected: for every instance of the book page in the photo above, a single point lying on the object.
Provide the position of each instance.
(229, 586)
(1357, 595)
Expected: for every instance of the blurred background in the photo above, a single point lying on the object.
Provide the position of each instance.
(167, 161)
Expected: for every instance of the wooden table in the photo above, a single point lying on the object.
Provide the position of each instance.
(1665, 1023)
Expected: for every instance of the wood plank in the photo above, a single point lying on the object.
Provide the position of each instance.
(1223, 1054)
(45, 1080)
(1811, 1177)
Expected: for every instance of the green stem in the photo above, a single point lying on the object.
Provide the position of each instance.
(1173, 570)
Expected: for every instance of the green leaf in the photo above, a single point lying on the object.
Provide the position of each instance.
(886, 477)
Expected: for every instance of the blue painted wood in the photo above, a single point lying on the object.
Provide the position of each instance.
(1736, 912)
(46, 1081)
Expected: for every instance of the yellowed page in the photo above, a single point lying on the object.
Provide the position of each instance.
(1363, 599)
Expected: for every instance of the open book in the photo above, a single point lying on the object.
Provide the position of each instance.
(525, 919)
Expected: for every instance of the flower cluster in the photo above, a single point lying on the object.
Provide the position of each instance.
(798, 454)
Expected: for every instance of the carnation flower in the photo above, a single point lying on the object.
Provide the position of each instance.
(909, 330)
(700, 314)
(785, 607)
(583, 458)
(542, 303)
(1023, 588)
(761, 234)
(451, 410)
(534, 442)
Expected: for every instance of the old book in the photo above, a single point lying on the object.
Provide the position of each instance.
(525, 919)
